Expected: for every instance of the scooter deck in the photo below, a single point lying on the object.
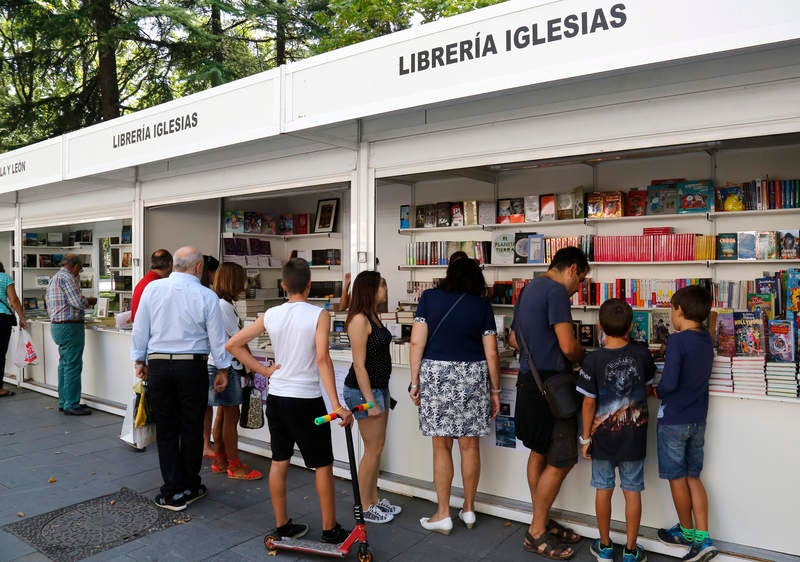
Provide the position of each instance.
(305, 545)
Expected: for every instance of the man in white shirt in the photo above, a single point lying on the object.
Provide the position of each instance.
(177, 325)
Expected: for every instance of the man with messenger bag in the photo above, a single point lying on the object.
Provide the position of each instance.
(546, 408)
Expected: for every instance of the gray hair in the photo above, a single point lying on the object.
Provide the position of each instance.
(186, 258)
(71, 260)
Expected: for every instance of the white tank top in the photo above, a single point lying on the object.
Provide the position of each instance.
(292, 327)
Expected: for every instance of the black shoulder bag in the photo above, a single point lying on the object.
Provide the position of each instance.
(558, 390)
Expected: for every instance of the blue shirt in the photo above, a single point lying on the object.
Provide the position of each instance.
(542, 304)
(683, 388)
(461, 335)
(5, 281)
(179, 315)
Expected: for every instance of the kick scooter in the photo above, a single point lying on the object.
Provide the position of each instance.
(357, 535)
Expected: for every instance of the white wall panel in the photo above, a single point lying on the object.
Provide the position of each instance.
(76, 207)
(186, 224)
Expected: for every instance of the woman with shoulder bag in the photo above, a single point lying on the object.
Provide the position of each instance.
(455, 381)
(9, 304)
(229, 283)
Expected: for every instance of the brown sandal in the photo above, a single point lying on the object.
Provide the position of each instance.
(548, 546)
(562, 533)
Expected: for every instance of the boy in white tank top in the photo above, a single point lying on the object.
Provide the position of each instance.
(299, 335)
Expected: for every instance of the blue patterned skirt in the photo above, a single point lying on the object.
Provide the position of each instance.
(454, 398)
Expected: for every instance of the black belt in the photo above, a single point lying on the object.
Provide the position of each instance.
(178, 356)
(67, 321)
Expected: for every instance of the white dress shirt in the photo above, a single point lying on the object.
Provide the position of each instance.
(178, 315)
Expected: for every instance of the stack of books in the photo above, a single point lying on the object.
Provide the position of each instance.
(721, 375)
(249, 308)
(782, 379)
(748, 375)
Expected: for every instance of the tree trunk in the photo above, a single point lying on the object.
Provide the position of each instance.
(104, 21)
(281, 21)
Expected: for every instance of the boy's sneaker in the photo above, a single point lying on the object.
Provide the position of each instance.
(389, 507)
(601, 552)
(291, 530)
(191, 496)
(673, 535)
(701, 551)
(376, 515)
(337, 535)
(176, 502)
(638, 555)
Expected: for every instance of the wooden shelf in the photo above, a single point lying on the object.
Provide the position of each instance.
(469, 227)
(537, 224)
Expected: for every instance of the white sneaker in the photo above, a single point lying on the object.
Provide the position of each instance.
(389, 507)
(467, 517)
(376, 515)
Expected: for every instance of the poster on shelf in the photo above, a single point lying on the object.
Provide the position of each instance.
(503, 429)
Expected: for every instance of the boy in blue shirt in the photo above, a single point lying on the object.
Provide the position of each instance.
(683, 391)
(613, 380)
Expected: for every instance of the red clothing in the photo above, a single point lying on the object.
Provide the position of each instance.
(151, 275)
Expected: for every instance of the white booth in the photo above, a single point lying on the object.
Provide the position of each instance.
(517, 99)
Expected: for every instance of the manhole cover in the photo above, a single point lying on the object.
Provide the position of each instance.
(87, 528)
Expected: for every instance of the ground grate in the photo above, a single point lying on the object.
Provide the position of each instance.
(87, 528)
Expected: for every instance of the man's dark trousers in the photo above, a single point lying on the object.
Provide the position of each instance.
(179, 395)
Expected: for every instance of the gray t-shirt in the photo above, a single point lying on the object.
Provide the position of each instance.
(542, 304)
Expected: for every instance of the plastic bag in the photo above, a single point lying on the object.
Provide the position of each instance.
(139, 437)
(143, 415)
(25, 354)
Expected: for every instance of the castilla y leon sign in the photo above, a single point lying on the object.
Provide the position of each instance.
(37, 164)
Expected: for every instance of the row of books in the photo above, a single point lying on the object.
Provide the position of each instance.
(439, 252)
(753, 376)
(246, 247)
(58, 238)
(253, 222)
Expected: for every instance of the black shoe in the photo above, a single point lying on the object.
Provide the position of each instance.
(337, 535)
(60, 409)
(191, 496)
(79, 411)
(175, 503)
(290, 530)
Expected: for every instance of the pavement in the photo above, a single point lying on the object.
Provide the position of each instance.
(86, 459)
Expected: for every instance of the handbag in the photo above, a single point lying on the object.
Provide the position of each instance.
(252, 414)
(558, 390)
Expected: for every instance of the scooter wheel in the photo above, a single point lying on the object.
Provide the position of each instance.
(269, 542)
(364, 555)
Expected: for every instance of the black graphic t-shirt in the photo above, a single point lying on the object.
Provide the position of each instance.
(616, 378)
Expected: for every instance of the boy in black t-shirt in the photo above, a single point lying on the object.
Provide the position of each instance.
(613, 380)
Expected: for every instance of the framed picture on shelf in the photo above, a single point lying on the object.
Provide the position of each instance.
(42, 281)
(102, 307)
(326, 215)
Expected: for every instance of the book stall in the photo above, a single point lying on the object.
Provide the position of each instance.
(672, 163)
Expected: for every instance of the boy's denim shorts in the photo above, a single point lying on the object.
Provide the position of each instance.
(631, 475)
(353, 397)
(680, 450)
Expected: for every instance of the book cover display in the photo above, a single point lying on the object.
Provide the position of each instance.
(443, 214)
(470, 213)
(521, 247)
(547, 207)
(613, 204)
(746, 244)
(726, 246)
(767, 245)
(661, 320)
(761, 302)
(531, 208)
(635, 203)
(457, 214)
(661, 199)
(695, 196)
(749, 333)
(781, 341)
(536, 248)
(503, 211)
(405, 210)
(503, 249)
(580, 207)
(788, 244)
(640, 326)
(594, 205)
(234, 222)
(565, 206)
(486, 212)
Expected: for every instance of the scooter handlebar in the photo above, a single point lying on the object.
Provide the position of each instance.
(334, 415)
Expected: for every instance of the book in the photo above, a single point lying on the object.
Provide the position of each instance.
(470, 213)
(661, 199)
(694, 196)
(503, 211)
(640, 326)
(587, 335)
(635, 203)
(726, 246)
(780, 339)
(31, 239)
(234, 221)
(547, 207)
(269, 223)
(517, 210)
(126, 259)
(763, 302)
(419, 216)
(792, 301)
(788, 244)
(531, 208)
(749, 334)
(594, 205)
(613, 204)
(536, 248)
(746, 245)
(661, 325)
(521, 247)
(766, 245)
(430, 216)
(486, 212)
(301, 223)
(252, 222)
(503, 249)
(457, 213)
(404, 216)
(580, 208)
(729, 198)
(565, 206)
(55, 238)
(442, 214)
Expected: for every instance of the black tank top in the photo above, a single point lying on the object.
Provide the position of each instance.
(378, 361)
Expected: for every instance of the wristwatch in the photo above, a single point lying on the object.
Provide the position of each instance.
(583, 441)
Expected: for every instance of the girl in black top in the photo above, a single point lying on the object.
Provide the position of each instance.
(368, 381)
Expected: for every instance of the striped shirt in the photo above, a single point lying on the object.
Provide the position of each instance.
(64, 299)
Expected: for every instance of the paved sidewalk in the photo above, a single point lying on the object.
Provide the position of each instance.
(87, 460)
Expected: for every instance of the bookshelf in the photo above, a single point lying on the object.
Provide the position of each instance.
(42, 252)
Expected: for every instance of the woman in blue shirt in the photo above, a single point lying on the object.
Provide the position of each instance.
(9, 303)
(453, 359)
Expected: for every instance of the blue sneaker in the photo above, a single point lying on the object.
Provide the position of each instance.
(701, 551)
(601, 552)
(637, 555)
(673, 535)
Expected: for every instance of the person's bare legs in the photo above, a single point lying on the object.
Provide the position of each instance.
(602, 508)
(682, 498)
(470, 470)
(277, 491)
(373, 433)
(218, 433)
(327, 496)
(547, 489)
(633, 516)
(442, 476)
(536, 464)
(208, 448)
(699, 503)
